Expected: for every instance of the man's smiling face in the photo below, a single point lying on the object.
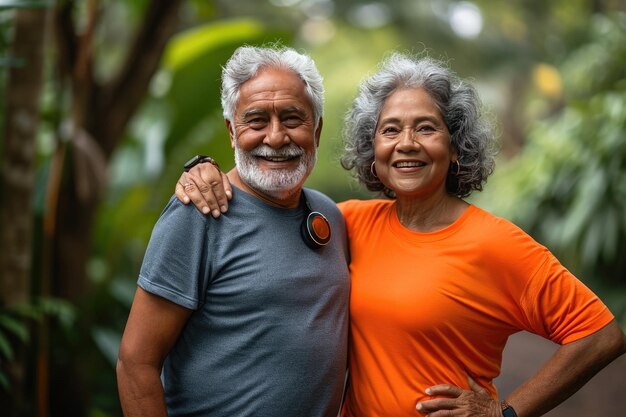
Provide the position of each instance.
(274, 134)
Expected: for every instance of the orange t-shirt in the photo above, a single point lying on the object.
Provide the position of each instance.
(430, 308)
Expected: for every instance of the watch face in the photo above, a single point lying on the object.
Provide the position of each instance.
(192, 162)
(509, 412)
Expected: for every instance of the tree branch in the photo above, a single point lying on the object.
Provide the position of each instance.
(123, 95)
(65, 37)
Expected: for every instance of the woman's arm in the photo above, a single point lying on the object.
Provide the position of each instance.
(571, 367)
(567, 370)
(153, 326)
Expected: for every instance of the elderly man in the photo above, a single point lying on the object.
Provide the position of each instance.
(247, 314)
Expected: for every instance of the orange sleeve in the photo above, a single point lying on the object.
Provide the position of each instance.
(561, 307)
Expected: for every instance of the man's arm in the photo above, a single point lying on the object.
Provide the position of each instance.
(153, 326)
(207, 187)
(571, 366)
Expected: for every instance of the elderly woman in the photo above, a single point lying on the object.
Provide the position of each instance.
(438, 284)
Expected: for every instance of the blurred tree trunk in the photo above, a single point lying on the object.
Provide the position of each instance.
(18, 179)
(91, 130)
(94, 127)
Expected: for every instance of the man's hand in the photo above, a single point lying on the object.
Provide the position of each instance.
(205, 186)
(474, 403)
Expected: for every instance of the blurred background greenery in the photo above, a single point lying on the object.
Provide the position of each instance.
(103, 101)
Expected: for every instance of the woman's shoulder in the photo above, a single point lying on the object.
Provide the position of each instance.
(500, 235)
(373, 207)
(489, 221)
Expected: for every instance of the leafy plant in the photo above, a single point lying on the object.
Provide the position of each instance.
(16, 328)
(568, 186)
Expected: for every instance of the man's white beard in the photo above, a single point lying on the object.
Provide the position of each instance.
(276, 183)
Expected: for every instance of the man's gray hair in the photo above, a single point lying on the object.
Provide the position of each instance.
(471, 134)
(246, 62)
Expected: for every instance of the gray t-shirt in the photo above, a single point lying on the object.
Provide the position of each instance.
(269, 333)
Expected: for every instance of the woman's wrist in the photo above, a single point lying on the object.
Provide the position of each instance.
(507, 410)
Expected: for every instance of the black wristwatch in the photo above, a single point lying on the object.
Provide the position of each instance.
(507, 410)
(198, 159)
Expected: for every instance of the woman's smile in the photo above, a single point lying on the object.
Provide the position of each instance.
(412, 145)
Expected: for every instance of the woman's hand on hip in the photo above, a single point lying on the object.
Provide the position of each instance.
(459, 402)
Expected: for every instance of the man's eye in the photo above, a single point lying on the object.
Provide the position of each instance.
(258, 122)
(292, 121)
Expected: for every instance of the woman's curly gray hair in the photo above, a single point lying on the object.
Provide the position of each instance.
(246, 62)
(471, 133)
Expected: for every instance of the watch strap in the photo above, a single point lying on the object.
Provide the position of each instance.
(507, 410)
(199, 159)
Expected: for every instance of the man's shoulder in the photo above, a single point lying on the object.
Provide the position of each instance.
(177, 213)
(316, 199)
(313, 193)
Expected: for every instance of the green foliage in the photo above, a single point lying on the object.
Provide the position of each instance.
(25, 4)
(11, 326)
(15, 327)
(108, 341)
(193, 60)
(568, 186)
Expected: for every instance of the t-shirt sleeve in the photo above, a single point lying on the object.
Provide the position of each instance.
(174, 266)
(561, 307)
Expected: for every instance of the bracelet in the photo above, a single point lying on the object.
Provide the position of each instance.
(507, 410)
(198, 159)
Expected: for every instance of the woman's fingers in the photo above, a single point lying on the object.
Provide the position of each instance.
(206, 187)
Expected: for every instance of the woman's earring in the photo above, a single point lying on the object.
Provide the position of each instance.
(458, 167)
(373, 170)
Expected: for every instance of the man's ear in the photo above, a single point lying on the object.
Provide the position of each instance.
(231, 133)
(318, 132)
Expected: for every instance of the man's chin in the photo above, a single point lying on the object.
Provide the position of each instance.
(279, 184)
(281, 192)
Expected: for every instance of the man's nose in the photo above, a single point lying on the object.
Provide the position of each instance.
(276, 136)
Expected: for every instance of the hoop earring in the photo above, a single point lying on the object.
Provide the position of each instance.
(373, 170)
(458, 167)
